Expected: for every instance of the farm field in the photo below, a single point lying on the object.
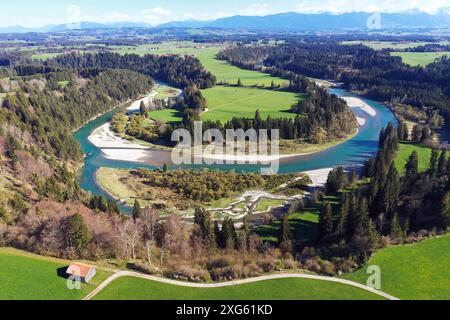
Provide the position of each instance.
(379, 45)
(129, 288)
(405, 151)
(420, 58)
(224, 103)
(27, 276)
(223, 70)
(417, 271)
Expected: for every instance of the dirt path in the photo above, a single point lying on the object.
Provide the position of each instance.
(120, 274)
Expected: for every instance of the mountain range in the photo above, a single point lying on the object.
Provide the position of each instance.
(290, 21)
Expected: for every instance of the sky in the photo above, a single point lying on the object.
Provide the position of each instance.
(35, 13)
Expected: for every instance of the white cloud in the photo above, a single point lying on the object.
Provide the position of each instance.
(115, 17)
(156, 15)
(257, 9)
(339, 6)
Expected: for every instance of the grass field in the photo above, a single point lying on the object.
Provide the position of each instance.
(419, 58)
(167, 115)
(224, 103)
(166, 92)
(303, 226)
(418, 271)
(224, 71)
(379, 45)
(405, 151)
(129, 288)
(25, 276)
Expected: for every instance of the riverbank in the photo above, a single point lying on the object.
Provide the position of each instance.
(354, 102)
(116, 148)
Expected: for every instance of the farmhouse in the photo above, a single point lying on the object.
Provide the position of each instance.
(84, 272)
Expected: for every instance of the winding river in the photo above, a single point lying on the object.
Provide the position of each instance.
(351, 153)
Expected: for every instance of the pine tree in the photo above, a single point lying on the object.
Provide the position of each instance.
(285, 230)
(239, 82)
(229, 236)
(341, 223)
(434, 162)
(396, 231)
(325, 222)
(203, 219)
(445, 211)
(442, 162)
(217, 234)
(412, 166)
(137, 211)
(142, 109)
(77, 234)
(165, 167)
(391, 190)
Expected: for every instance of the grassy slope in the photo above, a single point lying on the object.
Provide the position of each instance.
(224, 103)
(167, 115)
(404, 153)
(282, 289)
(25, 276)
(419, 58)
(418, 271)
(224, 71)
(303, 226)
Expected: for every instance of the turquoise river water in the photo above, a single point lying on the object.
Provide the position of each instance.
(351, 153)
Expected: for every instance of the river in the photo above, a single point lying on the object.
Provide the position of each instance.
(354, 152)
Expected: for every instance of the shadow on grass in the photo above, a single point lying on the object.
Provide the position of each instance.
(62, 272)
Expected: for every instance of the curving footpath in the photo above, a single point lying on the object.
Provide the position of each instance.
(120, 274)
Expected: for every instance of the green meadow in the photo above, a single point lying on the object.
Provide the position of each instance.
(224, 103)
(303, 226)
(419, 58)
(25, 276)
(424, 156)
(129, 288)
(379, 45)
(224, 71)
(167, 115)
(419, 271)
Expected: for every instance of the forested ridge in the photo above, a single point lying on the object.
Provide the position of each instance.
(362, 69)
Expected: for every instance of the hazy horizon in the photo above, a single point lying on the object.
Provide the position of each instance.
(34, 14)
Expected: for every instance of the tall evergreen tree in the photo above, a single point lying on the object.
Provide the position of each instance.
(444, 214)
(396, 231)
(77, 234)
(285, 230)
(325, 222)
(442, 162)
(412, 166)
(137, 210)
(434, 162)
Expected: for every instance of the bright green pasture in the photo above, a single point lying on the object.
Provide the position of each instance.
(129, 288)
(25, 276)
(420, 58)
(224, 103)
(424, 156)
(224, 71)
(167, 115)
(379, 45)
(303, 226)
(418, 271)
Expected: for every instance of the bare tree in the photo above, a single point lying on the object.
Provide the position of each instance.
(128, 233)
(149, 222)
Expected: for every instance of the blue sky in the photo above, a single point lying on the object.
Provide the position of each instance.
(35, 13)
